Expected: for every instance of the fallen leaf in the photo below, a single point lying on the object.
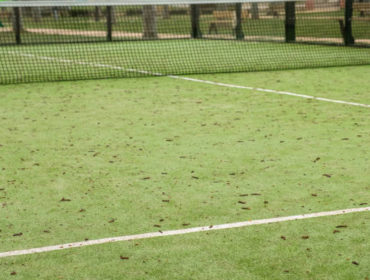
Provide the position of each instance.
(341, 226)
(327, 175)
(146, 178)
(355, 263)
(246, 208)
(123, 258)
(65, 199)
(157, 226)
(195, 177)
(165, 200)
(186, 224)
(244, 194)
(336, 231)
(112, 221)
(283, 237)
(18, 234)
(313, 194)
(316, 159)
(13, 273)
(305, 237)
(255, 194)
(242, 202)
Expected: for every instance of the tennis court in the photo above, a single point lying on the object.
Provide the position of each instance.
(196, 159)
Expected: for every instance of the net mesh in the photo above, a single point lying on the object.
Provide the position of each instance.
(71, 40)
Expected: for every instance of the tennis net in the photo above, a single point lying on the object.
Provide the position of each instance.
(87, 39)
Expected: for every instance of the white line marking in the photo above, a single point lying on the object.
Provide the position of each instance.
(179, 232)
(271, 91)
(192, 79)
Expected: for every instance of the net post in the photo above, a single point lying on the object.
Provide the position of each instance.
(17, 25)
(239, 28)
(348, 12)
(290, 22)
(195, 26)
(109, 23)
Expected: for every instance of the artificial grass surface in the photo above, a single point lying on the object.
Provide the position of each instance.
(335, 83)
(104, 158)
(127, 59)
(276, 251)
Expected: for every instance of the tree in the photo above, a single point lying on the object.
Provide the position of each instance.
(255, 14)
(97, 13)
(36, 14)
(165, 12)
(149, 22)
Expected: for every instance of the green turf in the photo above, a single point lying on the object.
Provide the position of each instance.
(248, 253)
(28, 63)
(336, 83)
(120, 149)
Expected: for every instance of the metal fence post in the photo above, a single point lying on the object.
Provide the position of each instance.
(348, 12)
(239, 28)
(290, 22)
(17, 25)
(109, 23)
(195, 26)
